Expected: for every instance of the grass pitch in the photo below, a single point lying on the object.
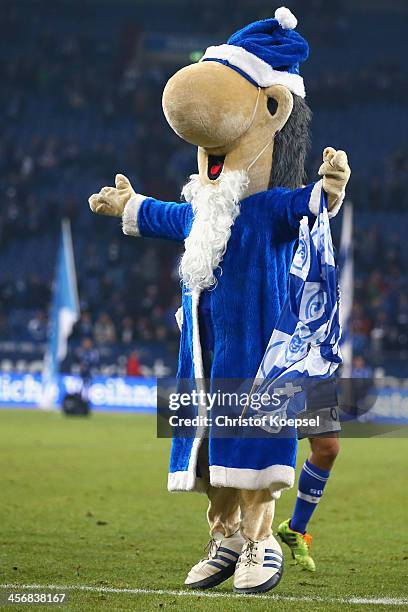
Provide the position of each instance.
(83, 503)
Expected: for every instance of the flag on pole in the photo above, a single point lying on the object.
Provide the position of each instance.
(346, 288)
(64, 314)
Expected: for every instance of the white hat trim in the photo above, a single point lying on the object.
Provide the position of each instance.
(262, 73)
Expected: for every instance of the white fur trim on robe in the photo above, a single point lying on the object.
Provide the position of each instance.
(314, 204)
(188, 481)
(282, 477)
(130, 225)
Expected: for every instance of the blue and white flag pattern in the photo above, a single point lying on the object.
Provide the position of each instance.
(64, 313)
(305, 341)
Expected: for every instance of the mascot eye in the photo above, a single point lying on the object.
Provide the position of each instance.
(272, 105)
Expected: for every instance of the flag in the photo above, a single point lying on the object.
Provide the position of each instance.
(64, 313)
(346, 288)
(305, 341)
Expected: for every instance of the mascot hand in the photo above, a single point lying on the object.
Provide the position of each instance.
(111, 201)
(336, 173)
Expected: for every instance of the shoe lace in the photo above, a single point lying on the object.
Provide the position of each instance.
(211, 548)
(249, 552)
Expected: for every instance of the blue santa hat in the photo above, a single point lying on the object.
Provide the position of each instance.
(266, 52)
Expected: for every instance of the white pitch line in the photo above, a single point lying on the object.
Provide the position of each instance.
(375, 601)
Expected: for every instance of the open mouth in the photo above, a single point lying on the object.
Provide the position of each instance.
(215, 166)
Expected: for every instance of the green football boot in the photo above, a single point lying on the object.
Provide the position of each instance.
(299, 544)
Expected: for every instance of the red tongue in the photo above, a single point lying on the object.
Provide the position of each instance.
(215, 169)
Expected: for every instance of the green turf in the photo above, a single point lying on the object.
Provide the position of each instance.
(84, 501)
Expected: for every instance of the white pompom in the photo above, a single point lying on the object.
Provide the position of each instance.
(285, 18)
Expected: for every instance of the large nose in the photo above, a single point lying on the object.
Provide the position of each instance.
(209, 104)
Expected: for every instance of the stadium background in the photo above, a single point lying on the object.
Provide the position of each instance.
(83, 502)
(81, 100)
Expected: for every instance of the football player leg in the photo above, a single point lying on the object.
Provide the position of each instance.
(312, 481)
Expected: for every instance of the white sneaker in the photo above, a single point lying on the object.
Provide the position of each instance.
(220, 564)
(260, 566)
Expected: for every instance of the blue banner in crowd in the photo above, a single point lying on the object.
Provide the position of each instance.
(117, 394)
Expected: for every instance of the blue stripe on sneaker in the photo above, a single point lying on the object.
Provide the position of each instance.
(275, 565)
(272, 558)
(230, 552)
(226, 559)
(217, 565)
(275, 552)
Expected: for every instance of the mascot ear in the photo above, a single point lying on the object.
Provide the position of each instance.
(280, 105)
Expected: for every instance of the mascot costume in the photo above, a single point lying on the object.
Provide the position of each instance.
(243, 106)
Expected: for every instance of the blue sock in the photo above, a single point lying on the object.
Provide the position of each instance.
(312, 481)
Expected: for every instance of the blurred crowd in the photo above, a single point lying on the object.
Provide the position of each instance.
(80, 103)
(132, 304)
(379, 321)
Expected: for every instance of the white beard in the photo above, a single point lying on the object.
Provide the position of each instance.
(215, 209)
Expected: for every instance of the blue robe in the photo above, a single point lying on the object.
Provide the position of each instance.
(245, 306)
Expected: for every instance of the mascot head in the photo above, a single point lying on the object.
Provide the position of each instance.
(243, 106)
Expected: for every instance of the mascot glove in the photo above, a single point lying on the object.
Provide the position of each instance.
(111, 201)
(335, 171)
